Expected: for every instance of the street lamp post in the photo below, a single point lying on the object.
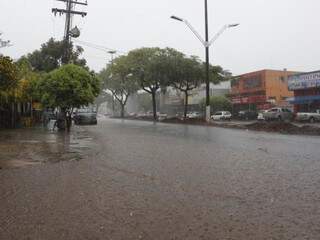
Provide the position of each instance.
(206, 43)
(112, 52)
(208, 108)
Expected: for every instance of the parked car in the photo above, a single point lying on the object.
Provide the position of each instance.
(247, 115)
(260, 116)
(193, 115)
(149, 114)
(280, 114)
(49, 115)
(222, 115)
(141, 114)
(132, 114)
(162, 116)
(85, 116)
(308, 116)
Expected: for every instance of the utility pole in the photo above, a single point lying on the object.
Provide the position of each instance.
(112, 52)
(69, 32)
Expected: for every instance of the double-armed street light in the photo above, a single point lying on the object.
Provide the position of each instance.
(206, 43)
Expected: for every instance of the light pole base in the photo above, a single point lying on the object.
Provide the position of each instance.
(208, 113)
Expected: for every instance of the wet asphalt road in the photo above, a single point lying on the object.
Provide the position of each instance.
(159, 181)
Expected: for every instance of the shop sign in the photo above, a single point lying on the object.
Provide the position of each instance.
(304, 81)
(247, 100)
(264, 106)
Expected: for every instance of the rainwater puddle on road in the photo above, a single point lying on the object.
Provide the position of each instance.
(25, 147)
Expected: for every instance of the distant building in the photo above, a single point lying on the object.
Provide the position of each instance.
(261, 90)
(306, 87)
(197, 95)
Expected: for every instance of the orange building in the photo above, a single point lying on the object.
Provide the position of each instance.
(261, 90)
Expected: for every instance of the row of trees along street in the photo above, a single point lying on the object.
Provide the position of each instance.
(41, 77)
(155, 69)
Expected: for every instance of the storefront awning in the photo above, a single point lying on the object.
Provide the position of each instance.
(304, 99)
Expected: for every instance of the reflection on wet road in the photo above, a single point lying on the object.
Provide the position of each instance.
(142, 180)
(25, 147)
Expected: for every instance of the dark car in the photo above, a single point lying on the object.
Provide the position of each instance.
(85, 116)
(247, 115)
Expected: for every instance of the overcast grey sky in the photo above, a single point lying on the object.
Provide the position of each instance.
(273, 34)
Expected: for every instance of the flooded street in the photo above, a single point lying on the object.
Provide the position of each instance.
(140, 180)
(23, 147)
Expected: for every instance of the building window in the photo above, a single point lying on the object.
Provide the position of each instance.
(254, 82)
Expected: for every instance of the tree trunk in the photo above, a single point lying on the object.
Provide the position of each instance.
(13, 115)
(154, 105)
(186, 104)
(122, 110)
(69, 122)
(62, 122)
(113, 106)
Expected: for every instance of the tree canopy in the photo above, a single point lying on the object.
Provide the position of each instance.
(119, 80)
(219, 103)
(51, 56)
(26, 89)
(151, 68)
(69, 87)
(187, 74)
(8, 74)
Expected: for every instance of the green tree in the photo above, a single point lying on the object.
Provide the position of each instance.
(8, 74)
(67, 88)
(218, 103)
(150, 67)
(120, 81)
(104, 96)
(218, 74)
(51, 56)
(187, 76)
(27, 90)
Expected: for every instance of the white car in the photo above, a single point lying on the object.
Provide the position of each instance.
(260, 116)
(308, 116)
(281, 114)
(162, 116)
(222, 115)
(193, 115)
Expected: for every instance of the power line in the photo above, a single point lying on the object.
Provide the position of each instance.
(99, 47)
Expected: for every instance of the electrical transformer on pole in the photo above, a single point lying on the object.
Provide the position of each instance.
(69, 32)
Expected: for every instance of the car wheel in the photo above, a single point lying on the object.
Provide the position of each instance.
(312, 120)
